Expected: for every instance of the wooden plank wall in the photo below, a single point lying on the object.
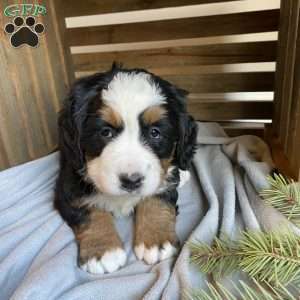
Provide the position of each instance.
(223, 53)
(192, 52)
(285, 133)
(33, 82)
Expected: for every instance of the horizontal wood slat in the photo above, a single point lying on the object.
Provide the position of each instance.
(197, 70)
(180, 56)
(92, 7)
(241, 23)
(219, 83)
(230, 110)
(232, 132)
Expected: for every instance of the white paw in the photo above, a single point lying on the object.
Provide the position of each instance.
(184, 177)
(113, 260)
(154, 254)
(108, 263)
(93, 265)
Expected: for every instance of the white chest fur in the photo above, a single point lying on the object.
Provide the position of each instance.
(118, 205)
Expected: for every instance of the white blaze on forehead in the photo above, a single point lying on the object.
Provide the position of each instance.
(131, 93)
(128, 94)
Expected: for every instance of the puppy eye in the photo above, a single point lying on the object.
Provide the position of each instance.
(107, 132)
(155, 133)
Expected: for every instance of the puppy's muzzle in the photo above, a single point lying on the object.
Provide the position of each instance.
(131, 182)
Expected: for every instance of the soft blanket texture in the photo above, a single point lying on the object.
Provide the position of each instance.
(38, 253)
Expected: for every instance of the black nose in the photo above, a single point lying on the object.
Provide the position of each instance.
(131, 182)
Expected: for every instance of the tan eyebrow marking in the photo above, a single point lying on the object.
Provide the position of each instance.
(154, 114)
(109, 115)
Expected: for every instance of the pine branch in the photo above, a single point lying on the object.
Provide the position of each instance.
(271, 260)
(271, 257)
(243, 291)
(284, 195)
(219, 259)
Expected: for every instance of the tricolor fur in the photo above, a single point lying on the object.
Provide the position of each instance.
(124, 135)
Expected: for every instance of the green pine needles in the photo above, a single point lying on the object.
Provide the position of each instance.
(244, 291)
(271, 260)
(284, 195)
(267, 257)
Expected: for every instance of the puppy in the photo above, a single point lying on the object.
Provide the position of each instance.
(123, 136)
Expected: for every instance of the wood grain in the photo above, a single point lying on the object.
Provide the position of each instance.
(178, 57)
(33, 83)
(250, 22)
(59, 26)
(219, 111)
(286, 128)
(93, 7)
(287, 68)
(219, 83)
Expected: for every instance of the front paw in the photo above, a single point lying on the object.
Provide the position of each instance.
(109, 262)
(100, 247)
(155, 236)
(155, 253)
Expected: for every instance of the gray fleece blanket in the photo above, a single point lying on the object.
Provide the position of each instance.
(38, 253)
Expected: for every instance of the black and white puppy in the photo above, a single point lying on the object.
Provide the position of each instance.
(123, 137)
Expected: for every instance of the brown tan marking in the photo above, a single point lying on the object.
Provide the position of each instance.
(97, 236)
(165, 164)
(110, 116)
(155, 223)
(154, 114)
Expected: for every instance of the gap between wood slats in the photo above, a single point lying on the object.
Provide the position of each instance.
(180, 56)
(172, 13)
(219, 83)
(90, 7)
(190, 70)
(250, 22)
(204, 41)
(239, 132)
(230, 110)
(243, 128)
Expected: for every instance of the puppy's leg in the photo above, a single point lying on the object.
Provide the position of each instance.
(155, 237)
(100, 247)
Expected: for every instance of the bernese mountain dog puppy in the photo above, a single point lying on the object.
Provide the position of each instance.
(124, 136)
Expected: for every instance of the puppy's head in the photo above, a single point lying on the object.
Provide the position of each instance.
(126, 131)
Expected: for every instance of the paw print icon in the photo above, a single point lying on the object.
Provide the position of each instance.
(24, 32)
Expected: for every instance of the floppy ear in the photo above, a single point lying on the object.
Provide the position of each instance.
(71, 119)
(75, 112)
(187, 130)
(186, 144)
(69, 126)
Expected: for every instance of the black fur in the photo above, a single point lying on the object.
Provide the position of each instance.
(186, 127)
(186, 146)
(78, 127)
